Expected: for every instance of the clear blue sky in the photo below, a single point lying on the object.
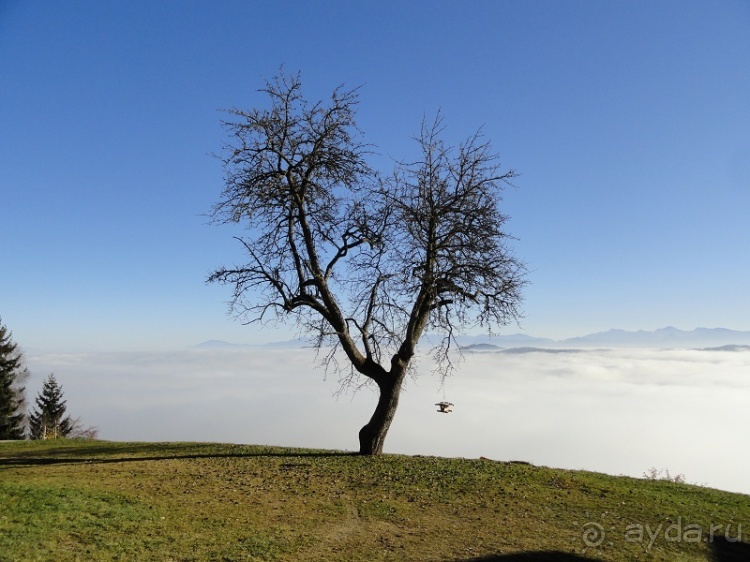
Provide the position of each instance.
(629, 122)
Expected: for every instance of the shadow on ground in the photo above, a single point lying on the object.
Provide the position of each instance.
(722, 550)
(546, 556)
(105, 453)
(726, 550)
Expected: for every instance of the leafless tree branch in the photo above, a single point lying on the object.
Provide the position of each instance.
(365, 263)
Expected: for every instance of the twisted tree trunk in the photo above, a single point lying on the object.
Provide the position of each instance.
(372, 435)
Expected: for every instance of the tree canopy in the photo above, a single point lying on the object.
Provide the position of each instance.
(364, 262)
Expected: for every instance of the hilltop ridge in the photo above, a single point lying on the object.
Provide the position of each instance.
(70, 500)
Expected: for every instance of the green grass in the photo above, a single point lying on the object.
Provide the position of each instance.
(93, 500)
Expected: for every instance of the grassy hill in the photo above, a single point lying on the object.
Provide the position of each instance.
(78, 500)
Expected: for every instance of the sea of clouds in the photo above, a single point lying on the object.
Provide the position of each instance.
(617, 411)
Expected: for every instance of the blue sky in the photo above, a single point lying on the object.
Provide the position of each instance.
(629, 123)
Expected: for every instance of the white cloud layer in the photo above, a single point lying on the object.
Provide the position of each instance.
(616, 411)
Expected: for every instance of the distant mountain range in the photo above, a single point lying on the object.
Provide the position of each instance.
(664, 337)
(720, 339)
(221, 344)
(669, 337)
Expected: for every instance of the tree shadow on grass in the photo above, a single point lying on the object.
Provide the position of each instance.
(726, 550)
(104, 453)
(722, 550)
(543, 556)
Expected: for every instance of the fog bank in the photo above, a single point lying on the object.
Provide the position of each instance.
(616, 411)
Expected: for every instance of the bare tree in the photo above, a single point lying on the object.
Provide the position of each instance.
(80, 431)
(364, 263)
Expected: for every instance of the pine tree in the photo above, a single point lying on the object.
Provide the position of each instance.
(12, 376)
(48, 421)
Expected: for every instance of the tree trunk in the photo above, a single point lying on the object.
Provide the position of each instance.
(372, 435)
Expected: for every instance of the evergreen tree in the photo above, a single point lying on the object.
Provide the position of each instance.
(48, 421)
(12, 376)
